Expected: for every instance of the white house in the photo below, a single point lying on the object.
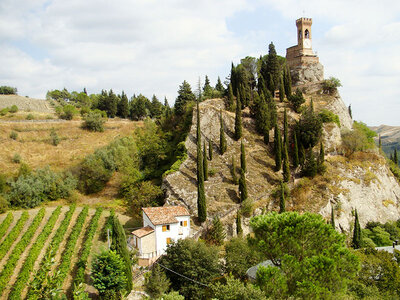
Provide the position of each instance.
(161, 226)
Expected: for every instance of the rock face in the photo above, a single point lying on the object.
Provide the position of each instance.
(337, 106)
(307, 73)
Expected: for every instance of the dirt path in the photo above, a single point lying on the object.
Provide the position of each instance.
(36, 266)
(23, 256)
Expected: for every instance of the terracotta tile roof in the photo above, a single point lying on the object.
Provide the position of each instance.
(165, 214)
(143, 231)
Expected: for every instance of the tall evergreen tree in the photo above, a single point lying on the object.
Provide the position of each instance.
(302, 155)
(262, 117)
(350, 112)
(157, 283)
(243, 157)
(356, 243)
(210, 149)
(321, 159)
(201, 197)
(185, 95)
(310, 166)
(380, 142)
(222, 139)
(272, 109)
(156, 108)
(272, 69)
(333, 218)
(261, 88)
(167, 109)
(219, 87)
(296, 160)
(111, 104)
(395, 158)
(123, 106)
(205, 162)
(216, 234)
(277, 148)
(239, 229)
(281, 91)
(230, 99)
(285, 129)
(238, 119)
(207, 89)
(287, 80)
(286, 168)
(282, 204)
(233, 171)
(242, 186)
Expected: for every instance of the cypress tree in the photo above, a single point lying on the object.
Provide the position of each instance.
(310, 166)
(243, 157)
(233, 171)
(286, 169)
(272, 69)
(281, 91)
(205, 162)
(239, 230)
(333, 218)
(230, 97)
(395, 158)
(295, 152)
(282, 204)
(321, 159)
(285, 128)
(222, 139)
(217, 234)
(380, 142)
(238, 119)
(201, 197)
(302, 155)
(287, 82)
(356, 243)
(262, 117)
(210, 149)
(350, 113)
(242, 186)
(123, 106)
(277, 148)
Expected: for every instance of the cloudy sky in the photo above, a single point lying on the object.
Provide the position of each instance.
(150, 46)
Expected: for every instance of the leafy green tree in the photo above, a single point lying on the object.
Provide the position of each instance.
(233, 171)
(171, 296)
(93, 121)
(356, 242)
(156, 282)
(297, 100)
(311, 256)
(216, 234)
(210, 149)
(282, 204)
(123, 106)
(69, 111)
(54, 138)
(272, 282)
(235, 289)
(238, 119)
(239, 229)
(108, 273)
(329, 86)
(205, 162)
(243, 157)
(277, 148)
(201, 197)
(262, 116)
(195, 260)
(242, 186)
(185, 95)
(222, 139)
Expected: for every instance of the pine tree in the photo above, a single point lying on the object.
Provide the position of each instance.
(261, 88)
(230, 98)
(262, 117)
(201, 197)
(333, 218)
(356, 243)
(219, 87)
(272, 69)
(310, 166)
(239, 230)
(286, 169)
(216, 234)
(277, 148)
(287, 82)
(205, 162)
(123, 106)
(242, 186)
(302, 155)
(395, 158)
(282, 204)
(185, 95)
(238, 119)
(243, 157)
(285, 129)
(295, 152)
(157, 283)
(350, 113)
(207, 89)
(222, 139)
(233, 171)
(281, 91)
(210, 150)
(321, 159)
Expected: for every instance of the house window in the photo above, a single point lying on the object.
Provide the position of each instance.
(165, 228)
(183, 223)
(169, 241)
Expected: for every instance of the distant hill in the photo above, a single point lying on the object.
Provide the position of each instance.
(390, 137)
(25, 103)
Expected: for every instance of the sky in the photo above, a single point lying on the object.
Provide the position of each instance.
(151, 46)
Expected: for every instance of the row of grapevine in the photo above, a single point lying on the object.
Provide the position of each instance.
(19, 249)
(14, 233)
(64, 267)
(40, 276)
(86, 247)
(24, 274)
(5, 224)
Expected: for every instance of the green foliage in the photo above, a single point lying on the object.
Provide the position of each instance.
(181, 155)
(54, 138)
(309, 128)
(238, 119)
(210, 150)
(242, 186)
(272, 282)
(16, 158)
(239, 257)
(8, 90)
(246, 207)
(93, 121)
(43, 185)
(201, 197)
(287, 80)
(235, 289)
(193, 259)
(13, 234)
(13, 135)
(19, 248)
(277, 148)
(297, 100)
(205, 162)
(13, 109)
(230, 99)
(286, 168)
(4, 111)
(327, 116)
(239, 229)
(216, 233)
(108, 102)
(6, 224)
(360, 138)
(296, 159)
(156, 282)
(310, 166)
(68, 112)
(368, 133)
(185, 95)
(27, 267)
(108, 273)
(329, 86)
(379, 236)
(242, 157)
(123, 106)
(270, 69)
(172, 296)
(30, 117)
(333, 218)
(282, 204)
(312, 256)
(222, 139)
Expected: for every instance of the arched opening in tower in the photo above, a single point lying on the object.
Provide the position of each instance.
(307, 34)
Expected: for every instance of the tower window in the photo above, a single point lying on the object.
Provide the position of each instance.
(307, 34)
(300, 35)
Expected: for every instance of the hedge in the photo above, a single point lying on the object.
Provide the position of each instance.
(19, 249)
(14, 233)
(27, 267)
(6, 224)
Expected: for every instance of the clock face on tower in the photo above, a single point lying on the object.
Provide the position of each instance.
(307, 43)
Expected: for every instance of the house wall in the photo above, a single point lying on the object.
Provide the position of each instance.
(146, 221)
(148, 243)
(176, 232)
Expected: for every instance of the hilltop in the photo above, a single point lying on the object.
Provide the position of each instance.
(390, 137)
(26, 103)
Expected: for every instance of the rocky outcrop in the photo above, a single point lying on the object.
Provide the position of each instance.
(303, 74)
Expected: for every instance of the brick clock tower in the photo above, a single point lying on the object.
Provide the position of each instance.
(302, 61)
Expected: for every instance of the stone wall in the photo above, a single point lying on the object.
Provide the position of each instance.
(303, 74)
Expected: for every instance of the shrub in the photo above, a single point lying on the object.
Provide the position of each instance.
(30, 117)
(327, 116)
(3, 204)
(93, 175)
(55, 140)
(8, 90)
(93, 122)
(181, 156)
(16, 158)
(246, 208)
(330, 85)
(84, 110)
(13, 109)
(309, 129)
(13, 135)
(296, 100)
(69, 111)
(4, 111)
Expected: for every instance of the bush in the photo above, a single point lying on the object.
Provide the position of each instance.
(3, 204)
(55, 140)
(93, 122)
(16, 158)
(4, 111)
(13, 135)
(360, 138)
(330, 85)
(327, 116)
(181, 156)
(8, 90)
(84, 111)
(93, 175)
(246, 208)
(297, 100)
(30, 117)
(13, 109)
(69, 111)
(309, 129)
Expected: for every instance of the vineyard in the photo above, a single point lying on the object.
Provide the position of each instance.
(47, 249)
